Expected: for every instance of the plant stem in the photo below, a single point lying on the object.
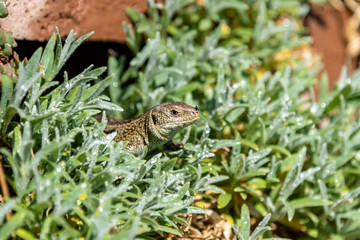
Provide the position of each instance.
(4, 188)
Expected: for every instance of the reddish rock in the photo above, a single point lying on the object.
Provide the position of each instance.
(37, 19)
(326, 27)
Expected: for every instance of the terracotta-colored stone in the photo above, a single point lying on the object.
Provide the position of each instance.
(326, 27)
(37, 19)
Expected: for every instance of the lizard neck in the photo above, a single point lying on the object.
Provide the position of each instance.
(155, 134)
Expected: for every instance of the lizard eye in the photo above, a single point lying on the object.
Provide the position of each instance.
(174, 112)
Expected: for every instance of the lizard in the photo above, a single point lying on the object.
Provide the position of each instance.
(153, 128)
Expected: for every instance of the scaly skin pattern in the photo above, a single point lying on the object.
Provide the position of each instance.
(153, 128)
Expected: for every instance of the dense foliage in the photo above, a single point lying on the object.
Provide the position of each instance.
(247, 65)
(265, 150)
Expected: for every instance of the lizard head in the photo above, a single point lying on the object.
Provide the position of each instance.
(169, 118)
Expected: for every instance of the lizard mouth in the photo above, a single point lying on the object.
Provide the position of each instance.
(180, 123)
